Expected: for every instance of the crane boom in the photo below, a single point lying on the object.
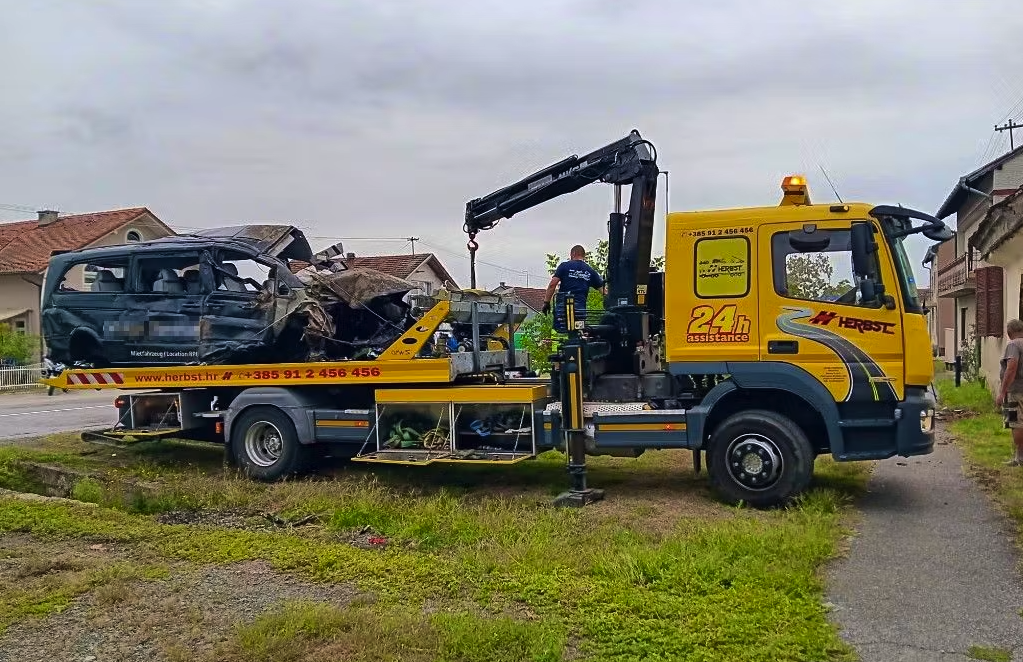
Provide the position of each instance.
(631, 160)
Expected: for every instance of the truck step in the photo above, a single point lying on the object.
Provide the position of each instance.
(423, 457)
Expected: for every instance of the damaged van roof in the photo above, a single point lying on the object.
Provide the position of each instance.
(281, 241)
(285, 242)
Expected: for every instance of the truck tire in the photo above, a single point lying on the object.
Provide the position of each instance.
(265, 444)
(760, 458)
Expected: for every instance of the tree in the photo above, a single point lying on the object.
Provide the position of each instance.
(808, 276)
(539, 337)
(14, 346)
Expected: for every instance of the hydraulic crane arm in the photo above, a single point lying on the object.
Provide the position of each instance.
(631, 160)
(618, 163)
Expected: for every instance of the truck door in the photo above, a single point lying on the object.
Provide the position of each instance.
(812, 313)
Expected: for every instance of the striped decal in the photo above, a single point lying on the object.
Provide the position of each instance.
(640, 427)
(95, 378)
(331, 423)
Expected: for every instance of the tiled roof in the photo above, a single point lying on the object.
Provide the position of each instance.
(400, 266)
(531, 296)
(25, 246)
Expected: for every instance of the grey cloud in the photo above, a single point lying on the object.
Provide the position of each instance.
(390, 115)
(94, 126)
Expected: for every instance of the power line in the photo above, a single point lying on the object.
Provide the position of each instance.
(1010, 126)
(987, 147)
(489, 264)
(21, 209)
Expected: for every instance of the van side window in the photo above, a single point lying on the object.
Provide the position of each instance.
(240, 273)
(816, 266)
(96, 276)
(169, 275)
(722, 267)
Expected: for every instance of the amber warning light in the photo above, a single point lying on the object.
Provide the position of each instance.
(794, 188)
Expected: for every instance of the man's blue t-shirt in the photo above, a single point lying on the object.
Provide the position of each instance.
(576, 278)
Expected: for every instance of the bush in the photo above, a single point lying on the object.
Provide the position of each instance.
(17, 347)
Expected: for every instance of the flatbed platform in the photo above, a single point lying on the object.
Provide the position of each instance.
(379, 371)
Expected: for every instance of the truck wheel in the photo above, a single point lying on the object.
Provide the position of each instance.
(760, 458)
(266, 445)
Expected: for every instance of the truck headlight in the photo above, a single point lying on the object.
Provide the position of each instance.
(927, 420)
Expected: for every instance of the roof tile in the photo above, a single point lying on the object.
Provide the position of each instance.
(25, 246)
(399, 266)
(533, 297)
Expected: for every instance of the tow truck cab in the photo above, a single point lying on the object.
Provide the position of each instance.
(807, 310)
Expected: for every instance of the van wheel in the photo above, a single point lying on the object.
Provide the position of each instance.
(266, 445)
(760, 458)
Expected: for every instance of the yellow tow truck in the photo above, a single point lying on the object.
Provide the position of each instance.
(728, 353)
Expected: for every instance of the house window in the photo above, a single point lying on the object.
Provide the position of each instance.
(133, 236)
(89, 274)
(1019, 311)
(19, 326)
(990, 302)
(425, 287)
(962, 325)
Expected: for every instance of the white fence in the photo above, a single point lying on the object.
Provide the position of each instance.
(15, 378)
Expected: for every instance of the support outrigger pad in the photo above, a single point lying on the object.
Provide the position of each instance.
(102, 439)
(578, 498)
(119, 441)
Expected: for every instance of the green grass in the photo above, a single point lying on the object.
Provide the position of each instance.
(479, 566)
(970, 396)
(990, 654)
(304, 630)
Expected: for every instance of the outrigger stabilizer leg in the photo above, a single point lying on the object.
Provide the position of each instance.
(571, 383)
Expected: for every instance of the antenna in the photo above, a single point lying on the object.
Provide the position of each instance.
(830, 183)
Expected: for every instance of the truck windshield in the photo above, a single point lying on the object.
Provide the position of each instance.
(907, 280)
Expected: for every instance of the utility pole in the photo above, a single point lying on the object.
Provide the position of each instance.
(413, 240)
(1009, 126)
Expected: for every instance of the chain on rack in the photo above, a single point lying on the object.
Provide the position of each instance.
(473, 247)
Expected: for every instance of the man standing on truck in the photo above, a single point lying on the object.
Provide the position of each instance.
(574, 276)
(1010, 388)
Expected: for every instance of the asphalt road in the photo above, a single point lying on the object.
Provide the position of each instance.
(34, 414)
(933, 569)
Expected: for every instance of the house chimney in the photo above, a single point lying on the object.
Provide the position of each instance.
(46, 216)
(502, 284)
(350, 256)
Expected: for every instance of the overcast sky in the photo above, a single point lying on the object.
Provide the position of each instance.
(357, 119)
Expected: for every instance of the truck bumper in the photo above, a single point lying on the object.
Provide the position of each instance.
(915, 425)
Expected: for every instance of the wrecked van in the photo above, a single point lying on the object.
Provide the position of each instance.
(225, 295)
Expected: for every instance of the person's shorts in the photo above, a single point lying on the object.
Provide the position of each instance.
(1012, 410)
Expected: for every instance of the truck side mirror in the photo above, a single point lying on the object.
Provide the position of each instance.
(862, 243)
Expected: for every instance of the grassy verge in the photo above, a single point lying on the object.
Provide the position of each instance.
(971, 397)
(475, 564)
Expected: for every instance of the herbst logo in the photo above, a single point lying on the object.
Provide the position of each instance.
(825, 317)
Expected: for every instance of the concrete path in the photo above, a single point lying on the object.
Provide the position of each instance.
(933, 569)
(34, 414)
